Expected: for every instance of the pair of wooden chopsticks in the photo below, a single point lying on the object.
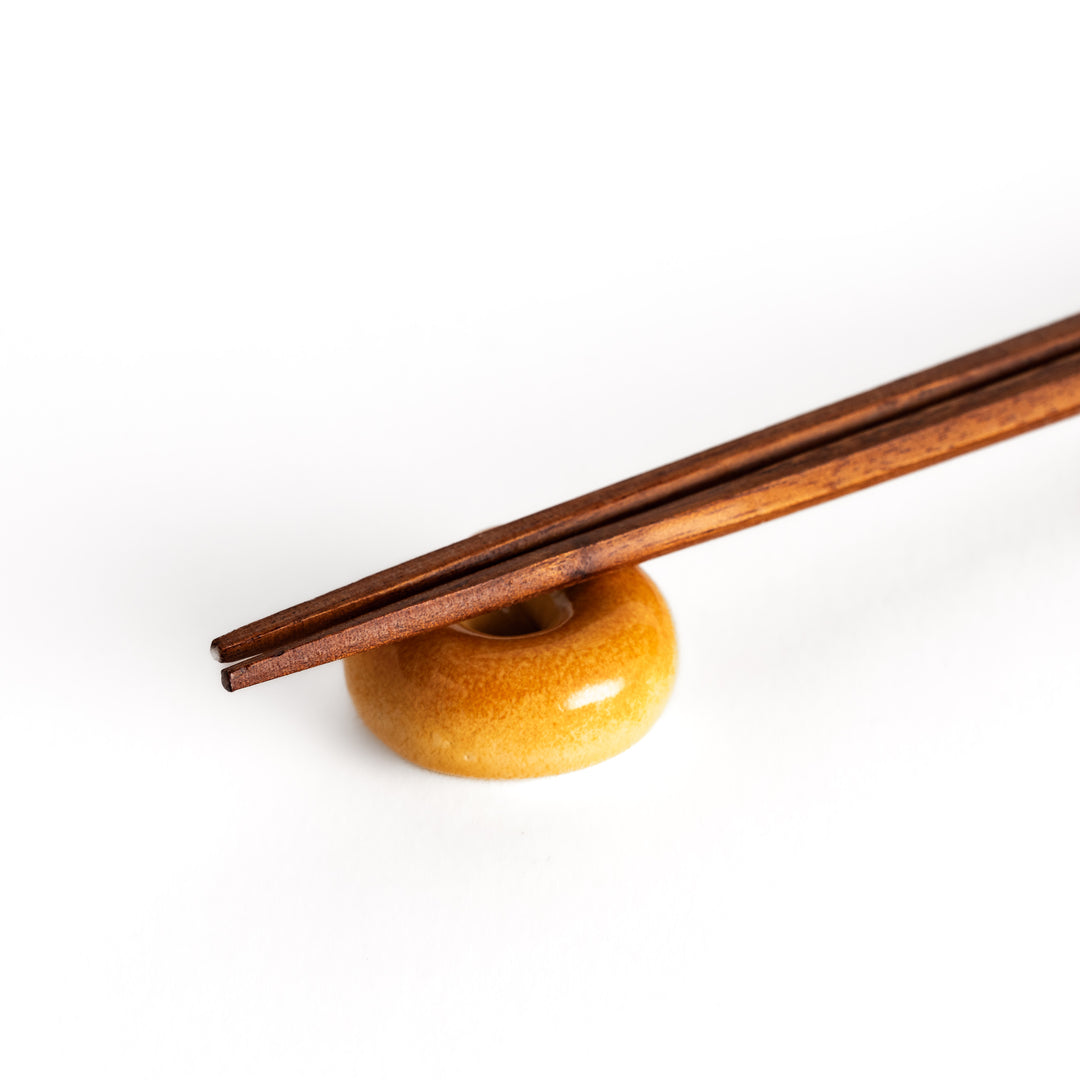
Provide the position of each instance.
(978, 399)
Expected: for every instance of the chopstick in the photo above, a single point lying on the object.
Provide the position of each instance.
(676, 480)
(965, 422)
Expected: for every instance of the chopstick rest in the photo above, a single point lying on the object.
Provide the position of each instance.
(561, 681)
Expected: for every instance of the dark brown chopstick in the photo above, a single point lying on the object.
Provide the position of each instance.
(676, 480)
(965, 422)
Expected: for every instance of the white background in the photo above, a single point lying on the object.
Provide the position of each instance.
(290, 292)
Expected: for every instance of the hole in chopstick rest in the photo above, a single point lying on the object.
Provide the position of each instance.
(537, 615)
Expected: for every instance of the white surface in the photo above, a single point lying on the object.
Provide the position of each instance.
(289, 293)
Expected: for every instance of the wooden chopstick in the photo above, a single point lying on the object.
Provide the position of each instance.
(965, 422)
(676, 480)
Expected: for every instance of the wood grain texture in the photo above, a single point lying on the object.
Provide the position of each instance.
(934, 433)
(678, 479)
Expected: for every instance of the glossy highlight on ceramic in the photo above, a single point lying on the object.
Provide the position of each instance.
(559, 682)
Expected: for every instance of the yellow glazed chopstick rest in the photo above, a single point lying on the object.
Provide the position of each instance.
(559, 682)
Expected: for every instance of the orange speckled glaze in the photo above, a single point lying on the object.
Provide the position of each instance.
(534, 704)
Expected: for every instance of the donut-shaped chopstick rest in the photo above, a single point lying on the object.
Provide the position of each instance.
(556, 683)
